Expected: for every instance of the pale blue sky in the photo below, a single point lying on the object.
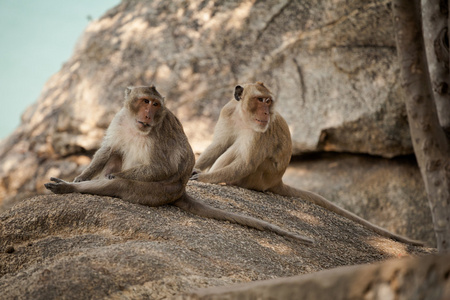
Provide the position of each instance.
(36, 38)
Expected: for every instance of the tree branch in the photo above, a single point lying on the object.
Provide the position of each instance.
(435, 35)
(431, 145)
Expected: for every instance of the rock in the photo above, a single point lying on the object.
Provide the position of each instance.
(332, 66)
(412, 278)
(89, 247)
(387, 192)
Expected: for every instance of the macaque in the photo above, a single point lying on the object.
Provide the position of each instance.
(252, 148)
(145, 158)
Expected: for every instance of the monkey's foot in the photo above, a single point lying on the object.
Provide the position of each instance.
(59, 186)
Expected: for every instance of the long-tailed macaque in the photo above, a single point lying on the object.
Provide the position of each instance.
(252, 147)
(145, 158)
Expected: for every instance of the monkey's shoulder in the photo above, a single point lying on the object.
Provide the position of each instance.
(171, 128)
(172, 121)
(278, 127)
(228, 109)
(277, 138)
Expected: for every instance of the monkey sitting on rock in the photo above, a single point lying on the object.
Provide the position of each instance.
(145, 158)
(252, 147)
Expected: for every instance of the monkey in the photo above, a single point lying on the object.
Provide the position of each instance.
(145, 158)
(252, 147)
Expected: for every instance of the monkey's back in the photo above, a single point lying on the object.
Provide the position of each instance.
(180, 155)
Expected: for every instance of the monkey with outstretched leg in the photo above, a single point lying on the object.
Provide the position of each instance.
(145, 158)
(252, 147)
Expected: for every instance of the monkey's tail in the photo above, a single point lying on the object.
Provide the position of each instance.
(285, 190)
(193, 206)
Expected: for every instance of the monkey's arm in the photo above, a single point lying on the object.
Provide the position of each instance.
(97, 164)
(210, 155)
(224, 138)
(231, 167)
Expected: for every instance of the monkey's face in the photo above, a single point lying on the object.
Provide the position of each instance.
(256, 104)
(147, 107)
(259, 108)
(147, 112)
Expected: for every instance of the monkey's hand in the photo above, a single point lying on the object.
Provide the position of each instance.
(195, 174)
(80, 178)
(202, 177)
(59, 186)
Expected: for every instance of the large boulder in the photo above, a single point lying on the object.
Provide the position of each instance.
(331, 64)
(89, 247)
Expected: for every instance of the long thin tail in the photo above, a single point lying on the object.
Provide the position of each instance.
(285, 190)
(193, 206)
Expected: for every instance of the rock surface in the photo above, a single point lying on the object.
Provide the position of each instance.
(418, 278)
(88, 247)
(331, 65)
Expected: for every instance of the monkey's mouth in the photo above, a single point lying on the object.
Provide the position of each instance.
(262, 122)
(142, 124)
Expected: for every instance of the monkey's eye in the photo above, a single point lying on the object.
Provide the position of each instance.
(146, 101)
(260, 99)
(155, 103)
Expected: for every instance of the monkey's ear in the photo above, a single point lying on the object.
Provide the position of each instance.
(238, 90)
(153, 88)
(128, 91)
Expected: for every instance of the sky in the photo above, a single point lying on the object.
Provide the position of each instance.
(36, 38)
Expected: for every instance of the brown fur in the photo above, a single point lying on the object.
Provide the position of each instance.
(145, 158)
(244, 155)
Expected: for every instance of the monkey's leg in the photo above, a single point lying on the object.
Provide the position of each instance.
(97, 164)
(146, 173)
(139, 192)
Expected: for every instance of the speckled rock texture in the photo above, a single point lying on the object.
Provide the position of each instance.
(412, 278)
(89, 247)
